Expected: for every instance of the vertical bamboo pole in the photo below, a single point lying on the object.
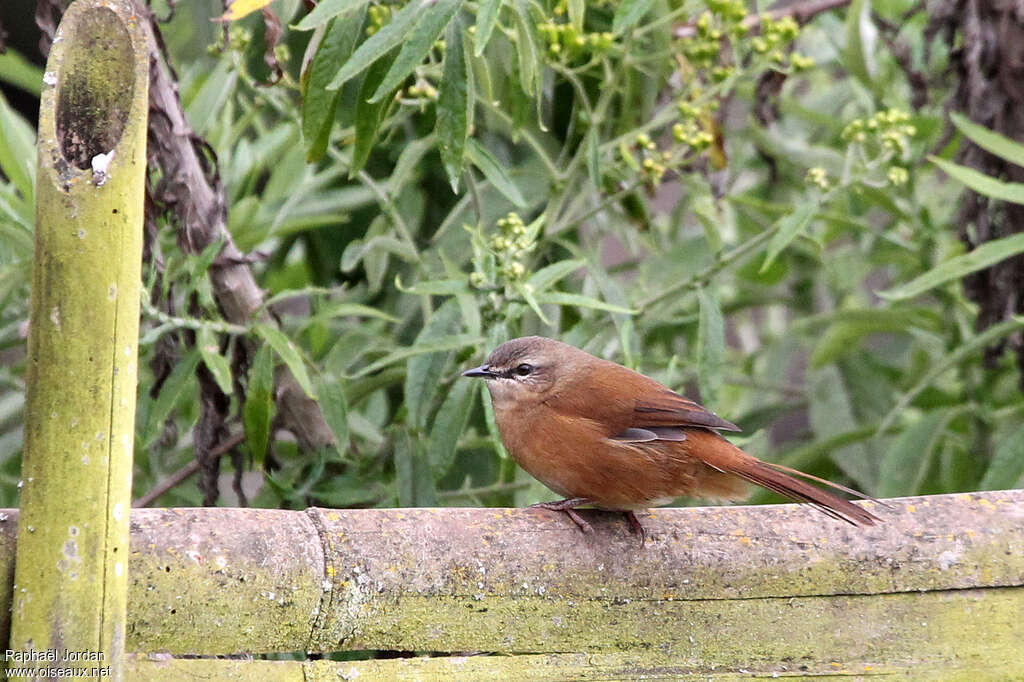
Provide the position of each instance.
(72, 555)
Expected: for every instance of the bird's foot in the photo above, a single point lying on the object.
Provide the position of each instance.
(568, 506)
(636, 527)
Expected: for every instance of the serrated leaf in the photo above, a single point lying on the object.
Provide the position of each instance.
(908, 458)
(1007, 466)
(981, 183)
(710, 347)
(861, 36)
(453, 342)
(318, 103)
(594, 157)
(527, 51)
(531, 300)
(989, 140)
(454, 104)
(413, 478)
(450, 422)
(434, 287)
(334, 407)
(170, 392)
(17, 150)
(368, 115)
(546, 276)
(379, 44)
(257, 413)
(342, 309)
(561, 298)
(962, 351)
(984, 256)
(423, 371)
(417, 43)
(831, 413)
(486, 20)
(209, 347)
(577, 14)
(628, 13)
(850, 326)
(327, 10)
(787, 228)
(288, 354)
(494, 172)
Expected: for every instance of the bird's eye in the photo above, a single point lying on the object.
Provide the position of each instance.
(523, 370)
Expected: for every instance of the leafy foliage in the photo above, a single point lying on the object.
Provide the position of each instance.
(733, 206)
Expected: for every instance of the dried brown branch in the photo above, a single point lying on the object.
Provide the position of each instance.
(186, 472)
(191, 189)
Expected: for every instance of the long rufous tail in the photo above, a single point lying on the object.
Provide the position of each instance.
(782, 480)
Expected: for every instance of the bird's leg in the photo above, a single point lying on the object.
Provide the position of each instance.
(568, 505)
(636, 526)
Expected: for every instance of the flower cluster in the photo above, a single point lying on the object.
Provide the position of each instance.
(693, 114)
(509, 246)
(884, 136)
(378, 16)
(565, 42)
(890, 130)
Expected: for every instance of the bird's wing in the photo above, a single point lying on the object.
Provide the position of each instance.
(667, 408)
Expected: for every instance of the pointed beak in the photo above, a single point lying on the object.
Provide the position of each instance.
(481, 371)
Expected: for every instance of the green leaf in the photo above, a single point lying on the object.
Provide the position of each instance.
(831, 413)
(787, 228)
(379, 44)
(629, 13)
(209, 347)
(984, 256)
(20, 72)
(531, 300)
(454, 104)
(989, 140)
(170, 392)
(850, 326)
(577, 14)
(1007, 467)
(318, 103)
(343, 309)
(450, 422)
(527, 50)
(413, 477)
(453, 342)
(594, 156)
(257, 413)
(546, 276)
(493, 171)
(417, 44)
(964, 350)
(561, 298)
(423, 371)
(910, 455)
(860, 41)
(981, 183)
(333, 405)
(369, 114)
(327, 10)
(287, 352)
(434, 287)
(486, 20)
(710, 347)
(17, 150)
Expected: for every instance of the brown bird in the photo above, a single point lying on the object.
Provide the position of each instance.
(600, 434)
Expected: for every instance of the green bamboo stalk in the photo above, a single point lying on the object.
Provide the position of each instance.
(70, 591)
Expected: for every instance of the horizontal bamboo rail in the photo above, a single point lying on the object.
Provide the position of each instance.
(936, 592)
